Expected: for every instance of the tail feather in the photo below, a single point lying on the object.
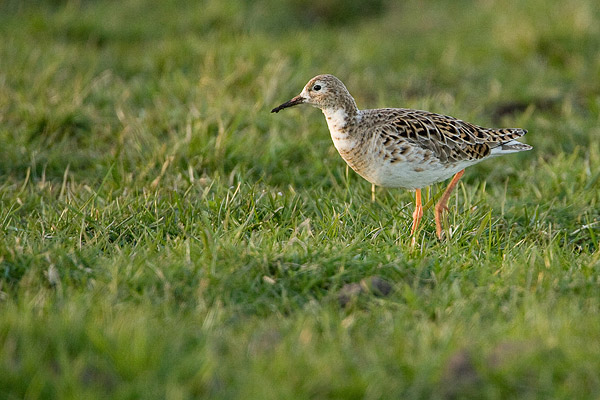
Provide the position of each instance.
(506, 134)
(506, 142)
(512, 146)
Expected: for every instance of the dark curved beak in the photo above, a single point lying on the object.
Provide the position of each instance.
(293, 102)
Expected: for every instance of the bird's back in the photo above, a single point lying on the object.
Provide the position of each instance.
(449, 139)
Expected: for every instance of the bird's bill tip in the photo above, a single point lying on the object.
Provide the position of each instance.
(293, 102)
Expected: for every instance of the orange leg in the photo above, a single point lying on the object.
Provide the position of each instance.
(442, 204)
(418, 213)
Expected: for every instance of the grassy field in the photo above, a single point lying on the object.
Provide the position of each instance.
(162, 235)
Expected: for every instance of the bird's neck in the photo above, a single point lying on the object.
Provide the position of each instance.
(342, 125)
(342, 117)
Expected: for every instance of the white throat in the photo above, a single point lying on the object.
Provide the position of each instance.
(336, 121)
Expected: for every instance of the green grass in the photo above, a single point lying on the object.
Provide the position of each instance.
(162, 235)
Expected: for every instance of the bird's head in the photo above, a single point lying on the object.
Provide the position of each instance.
(322, 91)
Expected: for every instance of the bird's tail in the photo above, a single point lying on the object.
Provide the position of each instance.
(513, 146)
(506, 142)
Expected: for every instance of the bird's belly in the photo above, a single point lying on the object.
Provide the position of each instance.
(407, 176)
(403, 174)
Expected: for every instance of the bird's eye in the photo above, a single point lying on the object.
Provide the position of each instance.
(316, 88)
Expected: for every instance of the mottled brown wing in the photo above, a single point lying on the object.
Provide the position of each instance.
(448, 139)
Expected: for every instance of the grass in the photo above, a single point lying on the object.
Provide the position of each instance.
(164, 236)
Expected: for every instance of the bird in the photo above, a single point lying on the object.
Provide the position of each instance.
(401, 147)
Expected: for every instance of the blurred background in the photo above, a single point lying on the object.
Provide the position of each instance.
(163, 235)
